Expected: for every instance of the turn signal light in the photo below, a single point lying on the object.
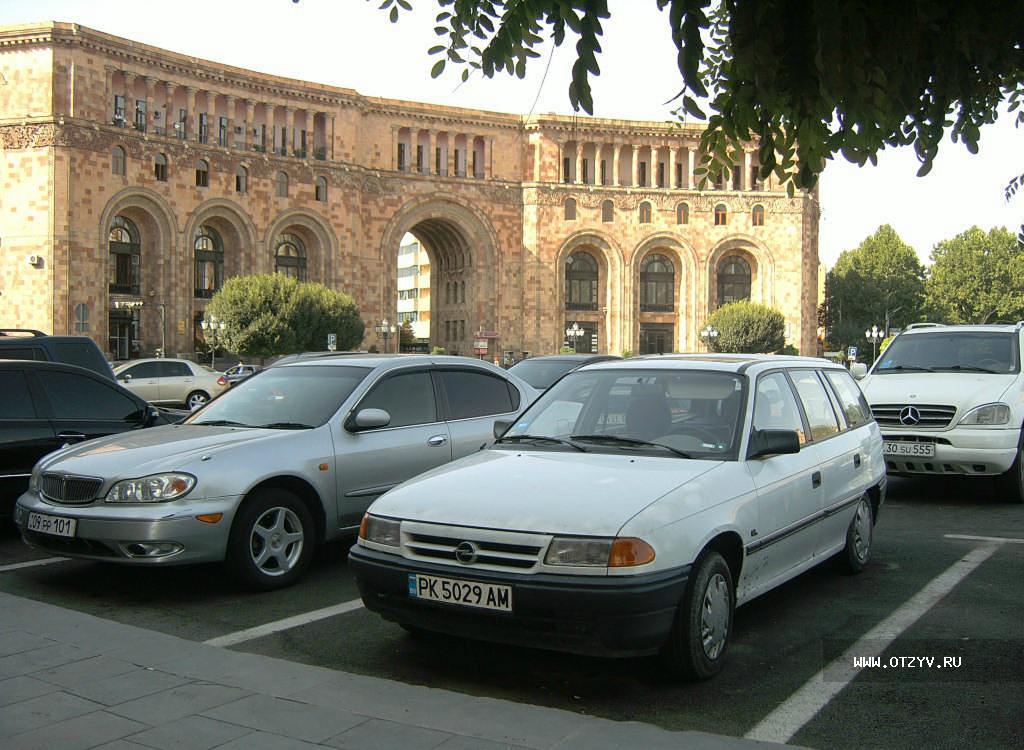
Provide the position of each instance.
(628, 551)
(362, 526)
(210, 517)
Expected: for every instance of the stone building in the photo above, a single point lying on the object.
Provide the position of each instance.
(135, 180)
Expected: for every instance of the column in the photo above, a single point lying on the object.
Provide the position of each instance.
(747, 184)
(332, 137)
(577, 172)
(616, 153)
(670, 183)
(150, 101)
(192, 120)
(689, 163)
(169, 116)
(432, 155)
(129, 99)
(486, 154)
(268, 110)
(250, 123)
(635, 165)
(450, 154)
(289, 133)
(230, 111)
(108, 94)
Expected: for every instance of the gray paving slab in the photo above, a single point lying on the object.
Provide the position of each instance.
(377, 734)
(190, 733)
(268, 741)
(38, 712)
(85, 671)
(79, 733)
(129, 686)
(262, 674)
(16, 641)
(120, 745)
(176, 703)
(38, 659)
(288, 717)
(17, 689)
(476, 743)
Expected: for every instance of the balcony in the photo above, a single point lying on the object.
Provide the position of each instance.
(320, 153)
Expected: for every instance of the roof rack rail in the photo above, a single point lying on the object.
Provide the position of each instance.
(26, 332)
(912, 326)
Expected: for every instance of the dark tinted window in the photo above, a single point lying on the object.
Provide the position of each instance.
(82, 353)
(543, 372)
(408, 398)
(850, 398)
(174, 370)
(79, 397)
(15, 400)
(474, 394)
(142, 370)
(23, 352)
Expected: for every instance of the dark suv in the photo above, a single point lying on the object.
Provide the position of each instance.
(24, 343)
(46, 405)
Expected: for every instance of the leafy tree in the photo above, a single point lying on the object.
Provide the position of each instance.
(405, 334)
(882, 280)
(808, 79)
(275, 314)
(747, 327)
(977, 277)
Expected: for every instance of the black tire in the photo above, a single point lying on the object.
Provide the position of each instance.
(859, 536)
(196, 399)
(1011, 484)
(272, 540)
(702, 613)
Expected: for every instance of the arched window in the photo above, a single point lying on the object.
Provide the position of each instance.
(281, 184)
(202, 173)
(682, 214)
(320, 189)
(462, 291)
(570, 209)
(733, 280)
(209, 262)
(757, 216)
(290, 257)
(721, 215)
(242, 180)
(607, 212)
(580, 282)
(645, 213)
(125, 252)
(160, 168)
(657, 284)
(117, 160)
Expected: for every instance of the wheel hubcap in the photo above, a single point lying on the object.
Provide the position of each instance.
(714, 616)
(276, 541)
(862, 531)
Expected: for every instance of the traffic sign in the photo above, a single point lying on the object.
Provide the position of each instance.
(851, 353)
(332, 342)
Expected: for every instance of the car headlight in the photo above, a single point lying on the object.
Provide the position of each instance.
(157, 488)
(620, 552)
(33, 482)
(381, 530)
(987, 414)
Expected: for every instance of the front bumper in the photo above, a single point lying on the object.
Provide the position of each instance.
(596, 615)
(961, 450)
(117, 533)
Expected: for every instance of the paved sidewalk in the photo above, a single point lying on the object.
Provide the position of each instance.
(71, 681)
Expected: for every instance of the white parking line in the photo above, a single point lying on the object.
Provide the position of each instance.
(996, 539)
(32, 563)
(786, 720)
(286, 624)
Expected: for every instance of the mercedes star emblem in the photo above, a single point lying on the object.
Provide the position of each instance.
(909, 416)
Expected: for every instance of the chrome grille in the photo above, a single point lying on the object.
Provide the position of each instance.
(69, 490)
(500, 550)
(929, 416)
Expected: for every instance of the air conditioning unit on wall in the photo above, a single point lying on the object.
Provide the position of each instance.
(34, 260)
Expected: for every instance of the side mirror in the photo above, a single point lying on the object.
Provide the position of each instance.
(150, 417)
(773, 443)
(858, 370)
(126, 377)
(367, 419)
(501, 426)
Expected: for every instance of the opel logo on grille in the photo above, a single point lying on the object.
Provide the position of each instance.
(465, 553)
(910, 416)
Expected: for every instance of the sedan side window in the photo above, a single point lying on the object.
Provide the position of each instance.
(76, 397)
(817, 406)
(407, 397)
(850, 397)
(142, 370)
(775, 406)
(15, 400)
(476, 394)
(174, 370)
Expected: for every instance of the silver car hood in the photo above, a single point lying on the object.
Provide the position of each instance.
(540, 491)
(141, 452)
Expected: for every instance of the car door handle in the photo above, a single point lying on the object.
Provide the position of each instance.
(856, 460)
(437, 441)
(71, 436)
(816, 479)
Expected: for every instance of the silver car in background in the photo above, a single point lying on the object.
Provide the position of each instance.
(278, 464)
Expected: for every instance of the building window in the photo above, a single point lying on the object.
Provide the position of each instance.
(125, 253)
(643, 174)
(719, 179)
(202, 173)
(290, 257)
(570, 209)
(567, 170)
(585, 171)
(462, 291)
(721, 215)
(661, 174)
(160, 168)
(645, 213)
(209, 262)
(204, 127)
(679, 175)
(757, 216)
(222, 132)
(580, 282)
(755, 178)
(733, 280)
(682, 214)
(320, 190)
(607, 211)
(447, 330)
(737, 175)
(242, 180)
(119, 110)
(437, 162)
(657, 284)
(401, 157)
(117, 161)
(421, 162)
(281, 184)
(140, 115)
(604, 171)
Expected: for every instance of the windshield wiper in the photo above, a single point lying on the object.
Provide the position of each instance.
(630, 441)
(907, 368)
(969, 368)
(286, 426)
(221, 423)
(542, 438)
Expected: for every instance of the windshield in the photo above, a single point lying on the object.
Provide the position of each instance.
(673, 412)
(542, 373)
(294, 397)
(954, 351)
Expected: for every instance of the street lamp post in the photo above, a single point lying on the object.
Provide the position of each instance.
(573, 333)
(384, 329)
(709, 335)
(874, 336)
(212, 327)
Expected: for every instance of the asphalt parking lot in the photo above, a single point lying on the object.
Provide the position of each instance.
(925, 594)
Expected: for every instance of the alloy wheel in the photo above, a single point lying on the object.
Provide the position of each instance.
(276, 541)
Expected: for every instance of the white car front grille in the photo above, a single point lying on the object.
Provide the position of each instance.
(484, 549)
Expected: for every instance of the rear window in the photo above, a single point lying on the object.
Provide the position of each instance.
(82, 353)
(23, 352)
(476, 394)
(542, 373)
(15, 400)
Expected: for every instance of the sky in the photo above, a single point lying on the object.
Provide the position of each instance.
(350, 43)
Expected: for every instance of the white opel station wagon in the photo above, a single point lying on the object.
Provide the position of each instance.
(632, 507)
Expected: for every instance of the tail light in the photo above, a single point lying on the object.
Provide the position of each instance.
(222, 380)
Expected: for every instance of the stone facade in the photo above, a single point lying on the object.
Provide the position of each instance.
(137, 179)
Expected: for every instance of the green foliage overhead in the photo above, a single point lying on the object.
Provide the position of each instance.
(882, 274)
(274, 314)
(406, 334)
(977, 277)
(747, 327)
(808, 79)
